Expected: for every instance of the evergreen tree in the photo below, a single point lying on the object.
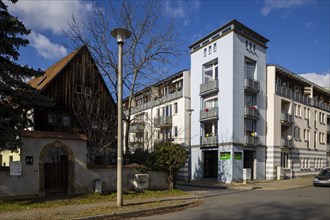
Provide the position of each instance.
(17, 98)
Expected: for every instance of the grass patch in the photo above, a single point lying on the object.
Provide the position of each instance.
(15, 205)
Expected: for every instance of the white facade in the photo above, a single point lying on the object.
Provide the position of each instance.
(230, 49)
(159, 113)
(298, 120)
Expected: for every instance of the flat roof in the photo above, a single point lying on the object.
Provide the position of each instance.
(237, 25)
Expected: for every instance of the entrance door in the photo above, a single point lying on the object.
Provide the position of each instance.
(249, 161)
(56, 171)
(211, 164)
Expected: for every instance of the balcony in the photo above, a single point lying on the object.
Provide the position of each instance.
(136, 128)
(286, 143)
(286, 119)
(251, 140)
(163, 121)
(209, 114)
(141, 107)
(168, 97)
(320, 105)
(209, 141)
(251, 112)
(251, 85)
(296, 96)
(209, 87)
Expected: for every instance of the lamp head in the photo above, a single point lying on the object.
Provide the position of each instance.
(120, 34)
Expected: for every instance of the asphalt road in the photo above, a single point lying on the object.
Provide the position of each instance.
(304, 203)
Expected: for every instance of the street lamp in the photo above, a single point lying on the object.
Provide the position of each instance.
(120, 34)
(189, 168)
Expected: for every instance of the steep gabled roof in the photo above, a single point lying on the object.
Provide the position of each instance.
(41, 82)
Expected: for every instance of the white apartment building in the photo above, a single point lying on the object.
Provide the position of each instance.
(159, 113)
(245, 118)
(228, 124)
(298, 124)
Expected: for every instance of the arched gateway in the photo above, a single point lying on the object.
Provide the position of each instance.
(56, 169)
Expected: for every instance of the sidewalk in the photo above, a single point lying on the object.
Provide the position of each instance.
(254, 184)
(109, 210)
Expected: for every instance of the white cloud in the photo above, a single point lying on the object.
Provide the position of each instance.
(319, 79)
(270, 5)
(44, 15)
(182, 10)
(45, 48)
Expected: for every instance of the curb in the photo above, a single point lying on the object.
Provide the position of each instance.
(136, 212)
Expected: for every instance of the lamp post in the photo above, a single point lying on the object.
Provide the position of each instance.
(120, 34)
(189, 162)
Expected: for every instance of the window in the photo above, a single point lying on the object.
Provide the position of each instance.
(11, 158)
(250, 67)
(175, 108)
(247, 44)
(306, 112)
(94, 125)
(167, 110)
(78, 89)
(66, 120)
(88, 91)
(205, 52)
(320, 138)
(297, 132)
(105, 126)
(52, 119)
(210, 49)
(250, 126)
(214, 47)
(211, 103)
(210, 72)
(301, 162)
(175, 131)
(254, 48)
(284, 159)
(321, 117)
(297, 110)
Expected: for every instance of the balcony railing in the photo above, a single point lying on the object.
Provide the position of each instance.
(286, 119)
(251, 140)
(209, 141)
(141, 107)
(209, 87)
(297, 96)
(251, 112)
(163, 121)
(286, 142)
(251, 85)
(209, 114)
(136, 128)
(168, 97)
(321, 105)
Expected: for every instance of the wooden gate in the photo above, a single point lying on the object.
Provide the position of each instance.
(56, 172)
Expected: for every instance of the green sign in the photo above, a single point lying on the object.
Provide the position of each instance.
(238, 155)
(224, 155)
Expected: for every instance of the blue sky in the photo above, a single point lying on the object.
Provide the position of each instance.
(298, 30)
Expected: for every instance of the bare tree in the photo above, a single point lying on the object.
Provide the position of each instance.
(152, 45)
